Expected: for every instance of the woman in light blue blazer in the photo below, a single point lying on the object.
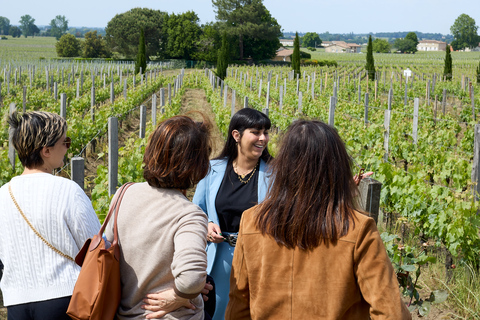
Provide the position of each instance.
(237, 181)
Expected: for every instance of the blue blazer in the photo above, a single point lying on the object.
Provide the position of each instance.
(207, 190)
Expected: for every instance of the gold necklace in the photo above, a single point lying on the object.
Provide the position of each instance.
(240, 177)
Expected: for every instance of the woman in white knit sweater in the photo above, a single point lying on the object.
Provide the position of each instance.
(38, 279)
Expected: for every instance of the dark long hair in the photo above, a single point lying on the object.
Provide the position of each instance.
(177, 153)
(244, 119)
(311, 198)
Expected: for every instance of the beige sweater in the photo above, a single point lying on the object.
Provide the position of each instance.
(162, 237)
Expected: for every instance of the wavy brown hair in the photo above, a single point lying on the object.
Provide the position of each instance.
(177, 154)
(311, 197)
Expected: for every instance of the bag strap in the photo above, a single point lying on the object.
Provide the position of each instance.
(113, 210)
(35, 230)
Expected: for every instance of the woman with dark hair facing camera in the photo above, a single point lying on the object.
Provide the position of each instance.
(236, 182)
(162, 235)
(44, 222)
(306, 252)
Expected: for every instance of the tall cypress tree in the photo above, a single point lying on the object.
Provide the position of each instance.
(447, 70)
(141, 58)
(370, 66)
(222, 59)
(296, 55)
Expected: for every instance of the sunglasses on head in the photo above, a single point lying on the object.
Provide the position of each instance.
(67, 142)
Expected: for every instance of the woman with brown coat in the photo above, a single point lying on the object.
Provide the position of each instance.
(305, 252)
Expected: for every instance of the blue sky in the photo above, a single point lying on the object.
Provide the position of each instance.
(334, 16)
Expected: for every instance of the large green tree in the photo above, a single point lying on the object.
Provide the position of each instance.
(247, 19)
(448, 70)
(141, 62)
(296, 55)
(183, 31)
(27, 25)
(95, 46)
(208, 43)
(381, 46)
(478, 74)
(370, 65)
(311, 39)
(4, 25)
(59, 26)
(464, 31)
(412, 36)
(222, 61)
(68, 46)
(123, 31)
(405, 45)
(15, 32)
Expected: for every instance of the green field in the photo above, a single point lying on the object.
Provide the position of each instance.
(31, 48)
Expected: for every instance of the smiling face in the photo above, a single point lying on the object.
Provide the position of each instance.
(251, 143)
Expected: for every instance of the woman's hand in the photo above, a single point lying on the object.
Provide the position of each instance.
(164, 302)
(206, 290)
(214, 233)
(358, 178)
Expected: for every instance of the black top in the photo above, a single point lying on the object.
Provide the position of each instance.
(234, 197)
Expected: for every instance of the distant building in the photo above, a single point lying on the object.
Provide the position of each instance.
(287, 42)
(342, 47)
(431, 45)
(283, 55)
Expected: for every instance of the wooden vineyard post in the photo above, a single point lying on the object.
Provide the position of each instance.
(125, 89)
(169, 94)
(63, 105)
(260, 89)
(435, 109)
(222, 83)
(444, 101)
(300, 98)
(386, 136)
(78, 88)
(366, 108)
(267, 104)
(11, 148)
(225, 96)
(390, 98)
(472, 98)
(370, 190)
(112, 92)
(406, 97)
(143, 121)
(359, 93)
(280, 103)
(154, 110)
(476, 163)
(245, 102)
(233, 103)
(24, 98)
(162, 100)
(78, 171)
(112, 155)
(415, 121)
(331, 112)
(376, 89)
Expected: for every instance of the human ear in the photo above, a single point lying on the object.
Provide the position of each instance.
(45, 152)
(236, 135)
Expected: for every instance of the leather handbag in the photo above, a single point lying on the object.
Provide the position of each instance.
(97, 292)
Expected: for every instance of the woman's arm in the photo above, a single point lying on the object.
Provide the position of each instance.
(83, 222)
(376, 277)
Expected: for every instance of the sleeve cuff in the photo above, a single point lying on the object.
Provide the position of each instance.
(185, 295)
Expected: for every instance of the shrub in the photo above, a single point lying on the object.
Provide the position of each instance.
(312, 49)
(68, 46)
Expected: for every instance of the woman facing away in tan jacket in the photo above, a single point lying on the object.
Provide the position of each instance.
(305, 252)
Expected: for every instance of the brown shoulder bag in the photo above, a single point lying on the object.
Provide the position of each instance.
(97, 293)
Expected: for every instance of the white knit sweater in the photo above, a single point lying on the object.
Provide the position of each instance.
(62, 213)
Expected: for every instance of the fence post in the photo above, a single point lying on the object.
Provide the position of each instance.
(390, 98)
(225, 96)
(245, 102)
(78, 170)
(444, 100)
(233, 103)
(260, 89)
(386, 135)
(300, 98)
(268, 95)
(366, 109)
(476, 163)
(11, 149)
(112, 155)
(24, 98)
(359, 93)
(370, 190)
(405, 98)
(125, 89)
(63, 105)
(331, 112)
(143, 121)
(154, 110)
(415, 121)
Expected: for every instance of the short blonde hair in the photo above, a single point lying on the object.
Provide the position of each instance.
(32, 131)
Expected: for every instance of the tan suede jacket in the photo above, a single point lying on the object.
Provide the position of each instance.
(353, 279)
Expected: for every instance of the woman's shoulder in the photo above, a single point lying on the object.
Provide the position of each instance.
(362, 224)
